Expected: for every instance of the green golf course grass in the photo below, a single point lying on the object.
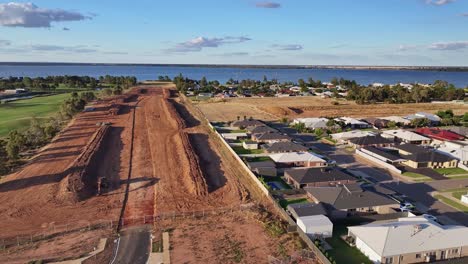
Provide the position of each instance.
(17, 115)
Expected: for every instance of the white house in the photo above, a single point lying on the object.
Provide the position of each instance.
(312, 122)
(464, 198)
(298, 159)
(234, 136)
(406, 136)
(410, 240)
(353, 123)
(316, 225)
(345, 136)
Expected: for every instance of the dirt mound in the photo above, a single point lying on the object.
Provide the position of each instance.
(277, 110)
(79, 181)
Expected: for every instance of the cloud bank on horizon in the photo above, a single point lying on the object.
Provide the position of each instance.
(282, 33)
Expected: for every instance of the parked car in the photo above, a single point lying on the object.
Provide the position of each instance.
(406, 207)
(430, 217)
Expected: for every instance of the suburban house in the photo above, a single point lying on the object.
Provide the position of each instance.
(434, 119)
(316, 225)
(282, 147)
(398, 120)
(247, 123)
(306, 209)
(312, 123)
(351, 199)
(440, 135)
(410, 240)
(263, 168)
(376, 141)
(419, 157)
(456, 149)
(461, 130)
(404, 136)
(345, 136)
(248, 144)
(385, 155)
(270, 137)
(234, 136)
(353, 123)
(377, 122)
(297, 159)
(316, 177)
(260, 129)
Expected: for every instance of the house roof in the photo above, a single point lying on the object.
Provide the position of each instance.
(352, 134)
(410, 235)
(405, 135)
(261, 164)
(378, 122)
(460, 154)
(431, 117)
(312, 122)
(295, 157)
(349, 196)
(271, 136)
(440, 134)
(397, 119)
(383, 153)
(286, 147)
(351, 121)
(307, 209)
(430, 156)
(459, 130)
(411, 148)
(247, 123)
(370, 140)
(311, 175)
(316, 220)
(260, 129)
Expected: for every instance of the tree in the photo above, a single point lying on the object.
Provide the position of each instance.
(14, 145)
(107, 92)
(318, 132)
(203, 82)
(331, 123)
(392, 124)
(420, 122)
(300, 127)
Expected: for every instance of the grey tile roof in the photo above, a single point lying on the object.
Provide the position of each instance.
(286, 147)
(260, 129)
(312, 175)
(420, 154)
(411, 148)
(385, 154)
(370, 140)
(349, 197)
(272, 136)
(247, 123)
(306, 209)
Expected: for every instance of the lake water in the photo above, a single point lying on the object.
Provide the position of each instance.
(222, 74)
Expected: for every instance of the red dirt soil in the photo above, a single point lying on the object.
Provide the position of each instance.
(31, 200)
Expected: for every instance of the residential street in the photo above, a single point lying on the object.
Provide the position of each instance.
(134, 246)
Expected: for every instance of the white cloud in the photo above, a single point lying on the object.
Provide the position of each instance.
(439, 2)
(28, 15)
(233, 54)
(287, 47)
(267, 5)
(408, 47)
(197, 44)
(455, 45)
(464, 14)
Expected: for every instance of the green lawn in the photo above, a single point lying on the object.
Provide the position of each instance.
(451, 171)
(242, 150)
(452, 203)
(17, 115)
(284, 203)
(417, 177)
(342, 252)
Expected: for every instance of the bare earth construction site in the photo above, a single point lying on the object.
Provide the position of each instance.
(149, 157)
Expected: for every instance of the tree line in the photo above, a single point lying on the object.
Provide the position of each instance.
(439, 91)
(51, 83)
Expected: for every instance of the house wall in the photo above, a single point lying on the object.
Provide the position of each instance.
(250, 146)
(418, 257)
(449, 164)
(315, 164)
(323, 230)
(368, 251)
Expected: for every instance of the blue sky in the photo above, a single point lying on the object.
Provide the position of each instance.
(297, 32)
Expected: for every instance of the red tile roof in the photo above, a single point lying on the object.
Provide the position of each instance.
(440, 134)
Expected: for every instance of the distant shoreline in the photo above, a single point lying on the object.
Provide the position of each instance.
(331, 67)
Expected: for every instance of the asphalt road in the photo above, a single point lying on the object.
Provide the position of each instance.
(134, 246)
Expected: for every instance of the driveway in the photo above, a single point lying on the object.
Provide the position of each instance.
(427, 172)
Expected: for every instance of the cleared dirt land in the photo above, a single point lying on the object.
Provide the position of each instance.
(155, 148)
(291, 107)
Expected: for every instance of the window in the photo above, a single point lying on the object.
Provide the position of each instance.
(418, 256)
(388, 260)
